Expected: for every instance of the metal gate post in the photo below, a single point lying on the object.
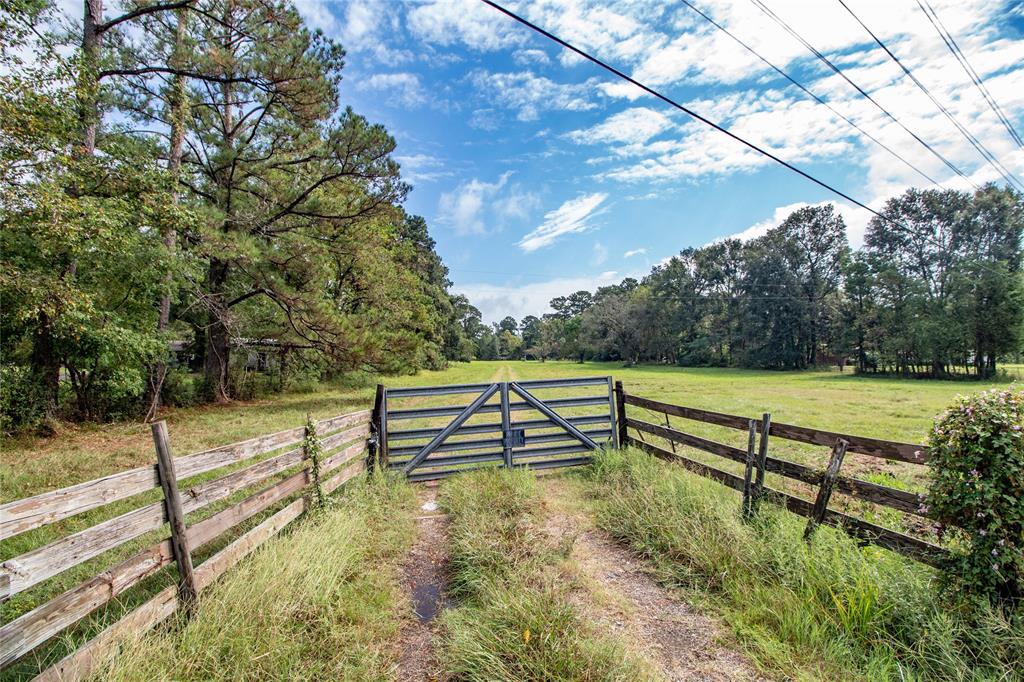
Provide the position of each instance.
(506, 427)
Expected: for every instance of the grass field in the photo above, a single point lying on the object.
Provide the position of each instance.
(879, 407)
(895, 409)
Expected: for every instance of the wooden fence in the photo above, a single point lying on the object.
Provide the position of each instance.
(342, 440)
(758, 462)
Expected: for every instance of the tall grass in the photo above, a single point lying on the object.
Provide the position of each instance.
(824, 610)
(322, 602)
(515, 618)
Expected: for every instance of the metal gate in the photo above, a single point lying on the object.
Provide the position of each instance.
(505, 425)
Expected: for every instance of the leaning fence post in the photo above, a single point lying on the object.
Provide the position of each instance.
(620, 414)
(749, 471)
(374, 442)
(175, 514)
(762, 457)
(828, 481)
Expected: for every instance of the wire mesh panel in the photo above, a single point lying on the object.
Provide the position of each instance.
(432, 432)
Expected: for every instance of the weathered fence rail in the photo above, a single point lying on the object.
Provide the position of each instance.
(342, 440)
(758, 462)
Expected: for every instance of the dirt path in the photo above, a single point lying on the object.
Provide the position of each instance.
(682, 643)
(425, 578)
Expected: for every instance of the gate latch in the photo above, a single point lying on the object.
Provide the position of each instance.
(516, 438)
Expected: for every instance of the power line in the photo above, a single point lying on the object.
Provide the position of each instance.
(789, 29)
(690, 112)
(975, 142)
(680, 107)
(947, 38)
(810, 94)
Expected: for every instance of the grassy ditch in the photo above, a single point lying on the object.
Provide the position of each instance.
(514, 618)
(324, 601)
(825, 610)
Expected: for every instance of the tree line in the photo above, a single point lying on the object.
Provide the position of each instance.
(184, 175)
(936, 290)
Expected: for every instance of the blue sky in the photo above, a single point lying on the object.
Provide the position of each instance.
(539, 174)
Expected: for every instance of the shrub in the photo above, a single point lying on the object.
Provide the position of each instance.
(22, 405)
(977, 455)
(179, 388)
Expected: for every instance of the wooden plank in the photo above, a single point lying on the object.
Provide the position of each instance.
(175, 514)
(724, 477)
(45, 562)
(87, 659)
(23, 515)
(879, 494)
(333, 483)
(875, 447)
(219, 563)
(346, 455)
(828, 481)
(885, 449)
(730, 420)
(870, 492)
(361, 431)
(31, 629)
(343, 421)
(714, 447)
(90, 657)
(35, 627)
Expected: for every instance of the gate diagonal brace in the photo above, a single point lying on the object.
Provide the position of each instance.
(552, 415)
(451, 428)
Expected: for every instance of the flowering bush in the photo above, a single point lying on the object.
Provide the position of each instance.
(977, 453)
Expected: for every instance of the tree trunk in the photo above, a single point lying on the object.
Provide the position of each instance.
(88, 82)
(218, 346)
(46, 365)
(178, 114)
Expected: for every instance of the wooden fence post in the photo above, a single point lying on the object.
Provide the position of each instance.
(311, 454)
(175, 516)
(749, 471)
(373, 456)
(620, 415)
(762, 456)
(828, 481)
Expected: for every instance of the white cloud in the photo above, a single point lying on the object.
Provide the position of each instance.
(600, 254)
(479, 27)
(571, 217)
(635, 252)
(856, 220)
(478, 207)
(528, 57)
(403, 87)
(632, 126)
(485, 119)
(519, 299)
(422, 168)
(529, 94)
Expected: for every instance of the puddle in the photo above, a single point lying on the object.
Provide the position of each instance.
(427, 600)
